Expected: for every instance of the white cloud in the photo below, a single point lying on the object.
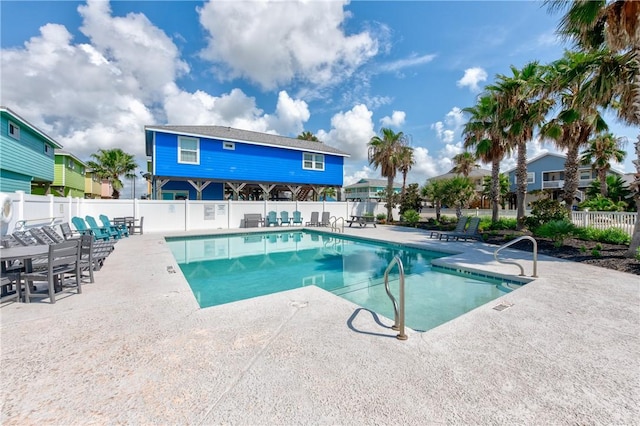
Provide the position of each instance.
(97, 95)
(275, 42)
(396, 120)
(411, 61)
(446, 130)
(365, 172)
(350, 131)
(472, 78)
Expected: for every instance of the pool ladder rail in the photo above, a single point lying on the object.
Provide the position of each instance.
(397, 313)
(510, 262)
(333, 224)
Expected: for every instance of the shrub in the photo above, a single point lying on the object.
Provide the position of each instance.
(614, 236)
(595, 252)
(412, 217)
(503, 224)
(381, 216)
(556, 230)
(546, 210)
(609, 235)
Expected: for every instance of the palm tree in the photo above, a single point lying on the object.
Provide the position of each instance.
(616, 24)
(464, 163)
(601, 151)
(405, 162)
(458, 192)
(617, 189)
(328, 191)
(433, 191)
(483, 132)
(384, 153)
(110, 164)
(521, 109)
(578, 118)
(308, 136)
(503, 187)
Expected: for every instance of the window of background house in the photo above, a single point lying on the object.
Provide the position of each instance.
(14, 130)
(229, 145)
(188, 150)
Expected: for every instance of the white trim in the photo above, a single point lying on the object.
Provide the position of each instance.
(180, 150)
(315, 161)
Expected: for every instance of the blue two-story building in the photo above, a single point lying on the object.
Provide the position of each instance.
(546, 172)
(26, 155)
(216, 162)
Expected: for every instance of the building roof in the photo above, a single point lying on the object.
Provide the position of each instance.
(24, 122)
(245, 136)
(68, 154)
(365, 183)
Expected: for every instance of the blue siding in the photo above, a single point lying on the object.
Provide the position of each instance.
(26, 156)
(246, 163)
(12, 182)
(542, 164)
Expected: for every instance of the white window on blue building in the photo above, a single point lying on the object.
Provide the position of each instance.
(312, 161)
(531, 177)
(188, 150)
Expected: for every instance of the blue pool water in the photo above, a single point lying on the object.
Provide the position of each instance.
(223, 269)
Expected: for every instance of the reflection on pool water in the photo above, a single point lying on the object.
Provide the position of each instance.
(223, 269)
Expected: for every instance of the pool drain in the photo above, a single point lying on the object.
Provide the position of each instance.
(502, 306)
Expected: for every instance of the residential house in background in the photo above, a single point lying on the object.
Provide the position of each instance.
(92, 184)
(368, 190)
(69, 176)
(477, 177)
(106, 189)
(546, 172)
(26, 155)
(215, 163)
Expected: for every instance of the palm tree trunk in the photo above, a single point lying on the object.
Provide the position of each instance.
(389, 199)
(495, 189)
(602, 177)
(521, 183)
(571, 166)
(635, 237)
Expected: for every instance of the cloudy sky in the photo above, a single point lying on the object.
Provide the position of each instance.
(93, 74)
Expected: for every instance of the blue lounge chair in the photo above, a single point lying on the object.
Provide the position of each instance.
(297, 218)
(271, 219)
(120, 228)
(284, 218)
(94, 225)
(83, 228)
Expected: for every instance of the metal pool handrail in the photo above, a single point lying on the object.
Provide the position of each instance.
(509, 262)
(333, 222)
(398, 313)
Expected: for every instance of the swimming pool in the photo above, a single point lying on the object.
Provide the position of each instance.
(224, 269)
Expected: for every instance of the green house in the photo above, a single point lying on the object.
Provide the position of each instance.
(69, 175)
(26, 155)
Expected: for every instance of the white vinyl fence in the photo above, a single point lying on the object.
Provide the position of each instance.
(24, 211)
(605, 220)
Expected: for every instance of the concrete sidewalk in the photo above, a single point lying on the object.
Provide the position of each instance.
(135, 348)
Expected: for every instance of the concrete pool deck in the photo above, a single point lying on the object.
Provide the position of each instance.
(135, 348)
